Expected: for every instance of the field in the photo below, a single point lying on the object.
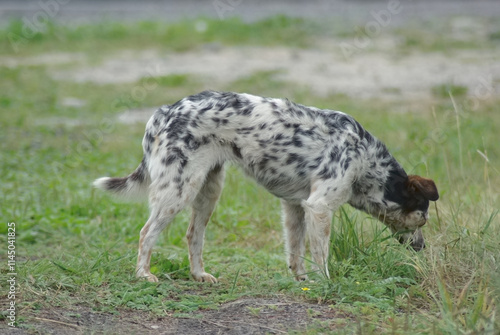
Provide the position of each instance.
(74, 102)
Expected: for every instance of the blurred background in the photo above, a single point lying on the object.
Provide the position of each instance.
(354, 11)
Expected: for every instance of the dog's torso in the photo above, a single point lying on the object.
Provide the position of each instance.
(284, 146)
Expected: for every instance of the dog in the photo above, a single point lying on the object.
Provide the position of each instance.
(314, 160)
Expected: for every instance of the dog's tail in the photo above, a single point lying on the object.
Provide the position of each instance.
(132, 187)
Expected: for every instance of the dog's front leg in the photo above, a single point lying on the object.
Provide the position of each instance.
(318, 218)
(295, 236)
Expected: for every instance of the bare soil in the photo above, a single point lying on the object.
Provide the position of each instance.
(243, 316)
(324, 70)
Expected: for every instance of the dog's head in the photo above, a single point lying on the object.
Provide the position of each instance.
(407, 199)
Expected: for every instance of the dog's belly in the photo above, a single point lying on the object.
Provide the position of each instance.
(282, 186)
(276, 174)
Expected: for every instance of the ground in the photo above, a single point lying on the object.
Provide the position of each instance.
(243, 316)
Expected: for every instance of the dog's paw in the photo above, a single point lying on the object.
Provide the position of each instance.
(204, 277)
(148, 276)
(301, 278)
(152, 278)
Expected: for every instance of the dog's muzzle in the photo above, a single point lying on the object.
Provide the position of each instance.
(415, 240)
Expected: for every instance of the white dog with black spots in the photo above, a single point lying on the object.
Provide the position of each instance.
(314, 160)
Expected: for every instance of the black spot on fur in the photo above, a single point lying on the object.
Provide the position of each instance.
(296, 141)
(170, 159)
(244, 130)
(262, 164)
(334, 155)
(216, 120)
(191, 142)
(238, 103)
(149, 137)
(221, 105)
(116, 184)
(346, 163)
(236, 150)
(176, 127)
(205, 109)
(174, 155)
(200, 96)
(194, 123)
(263, 143)
(204, 140)
(180, 187)
(328, 172)
(139, 175)
(292, 157)
(247, 110)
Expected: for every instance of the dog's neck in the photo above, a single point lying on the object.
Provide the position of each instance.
(380, 185)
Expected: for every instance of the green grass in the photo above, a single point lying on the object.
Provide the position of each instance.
(77, 246)
(179, 36)
(444, 91)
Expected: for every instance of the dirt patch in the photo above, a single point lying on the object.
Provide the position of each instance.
(244, 316)
(378, 73)
(56, 58)
(323, 70)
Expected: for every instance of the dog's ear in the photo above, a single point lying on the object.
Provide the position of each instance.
(422, 186)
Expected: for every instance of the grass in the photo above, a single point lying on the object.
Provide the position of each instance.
(76, 246)
(448, 36)
(179, 36)
(443, 91)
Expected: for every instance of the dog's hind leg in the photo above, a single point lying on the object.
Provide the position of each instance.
(295, 235)
(157, 221)
(203, 207)
(167, 198)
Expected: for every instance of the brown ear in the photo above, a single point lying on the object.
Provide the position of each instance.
(423, 186)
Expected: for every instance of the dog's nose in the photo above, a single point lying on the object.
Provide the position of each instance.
(418, 246)
(417, 241)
